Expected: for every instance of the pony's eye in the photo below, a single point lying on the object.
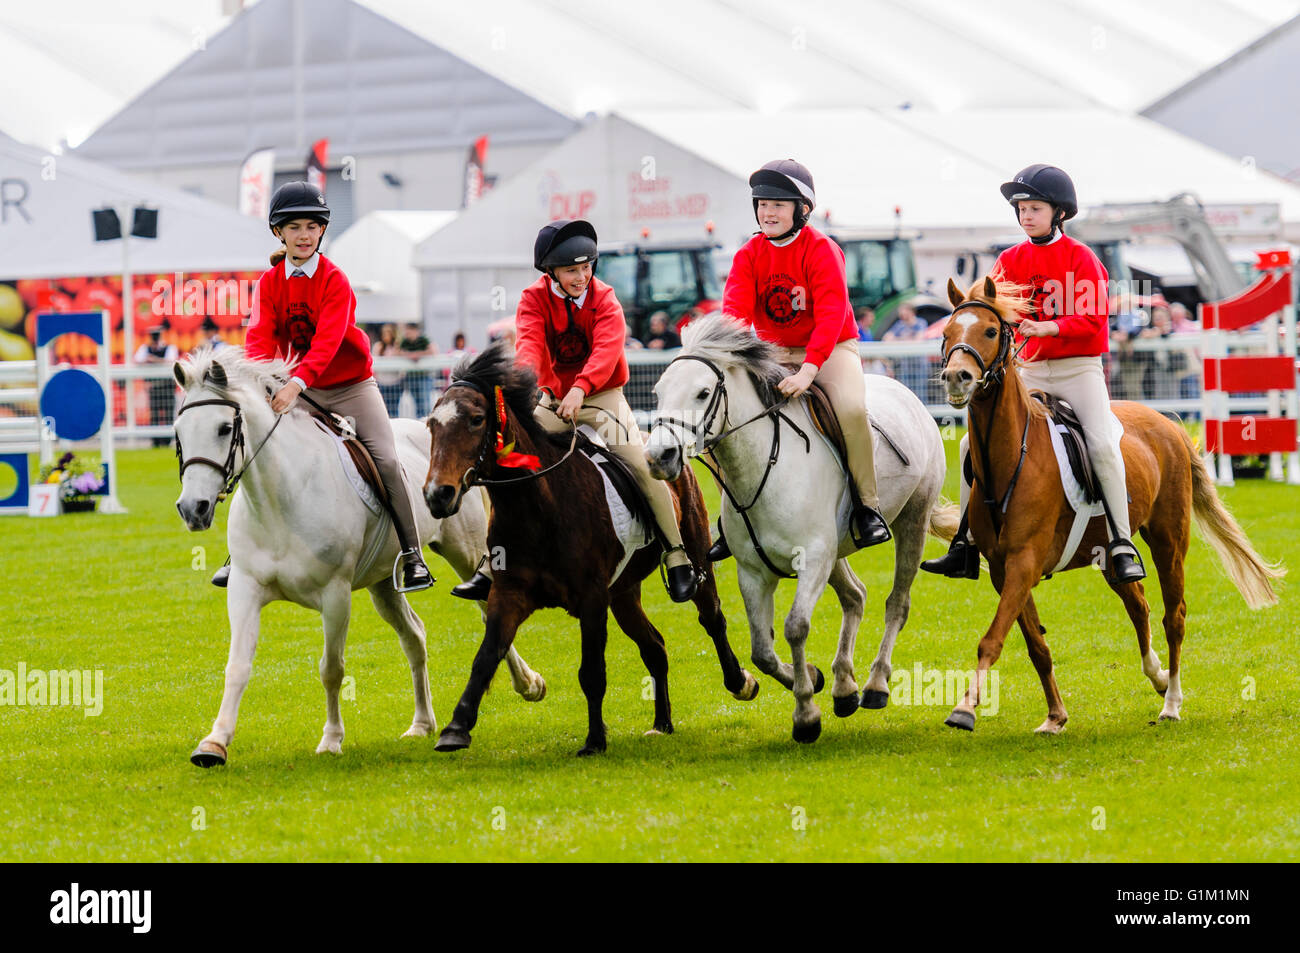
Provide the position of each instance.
(702, 395)
(990, 333)
(477, 420)
(224, 430)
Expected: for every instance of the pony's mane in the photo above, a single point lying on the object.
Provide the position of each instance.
(1013, 301)
(241, 370)
(731, 343)
(495, 367)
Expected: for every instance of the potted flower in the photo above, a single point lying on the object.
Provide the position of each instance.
(77, 480)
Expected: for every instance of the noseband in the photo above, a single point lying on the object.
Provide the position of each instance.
(227, 468)
(992, 374)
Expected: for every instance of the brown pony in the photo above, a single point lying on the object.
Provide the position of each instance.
(558, 542)
(1026, 537)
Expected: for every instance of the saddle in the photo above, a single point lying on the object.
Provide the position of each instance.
(361, 459)
(1066, 424)
(620, 477)
(828, 424)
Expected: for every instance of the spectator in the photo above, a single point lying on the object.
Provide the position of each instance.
(415, 346)
(866, 317)
(162, 391)
(390, 382)
(1160, 369)
(910, 371)
(630, 343)
(660, 337)
(1183, 321)
(1126, 370)
(211, 335)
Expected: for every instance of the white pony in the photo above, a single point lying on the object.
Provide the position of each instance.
(719, 395)
(300, 532)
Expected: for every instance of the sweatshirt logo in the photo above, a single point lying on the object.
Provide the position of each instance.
(779, 300)
(301, 327)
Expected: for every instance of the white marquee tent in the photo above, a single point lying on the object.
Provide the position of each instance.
(45, 222)
(375, 254)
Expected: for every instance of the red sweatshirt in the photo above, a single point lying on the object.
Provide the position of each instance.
(1069, 283)
(311, 318)
(795, 295)
(588, 354)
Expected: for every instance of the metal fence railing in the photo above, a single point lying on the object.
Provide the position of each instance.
(1164, 373)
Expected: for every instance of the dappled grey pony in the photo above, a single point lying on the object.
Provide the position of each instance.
(786, 504)
(300, 532)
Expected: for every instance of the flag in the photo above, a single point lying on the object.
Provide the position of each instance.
(256, 177)
(475, 181)
(317, 160)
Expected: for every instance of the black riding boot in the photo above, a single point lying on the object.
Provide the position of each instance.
(681, 581)
(869, 527)
(415, 574)
(1125, 566)
(476, 587)
(719, 550)
(961, 561)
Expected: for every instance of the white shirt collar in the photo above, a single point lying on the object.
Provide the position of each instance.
(559, 292)
(308, 266)
(782, 244)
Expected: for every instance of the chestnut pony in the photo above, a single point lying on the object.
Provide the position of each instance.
(1023, 534)
(558, 541)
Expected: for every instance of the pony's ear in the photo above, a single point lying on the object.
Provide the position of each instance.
(217, 374)
(182, 378)
(990, 289)
(954, 293)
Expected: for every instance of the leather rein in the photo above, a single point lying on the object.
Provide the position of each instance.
(482, 463)
(718, 400)
(237, 446)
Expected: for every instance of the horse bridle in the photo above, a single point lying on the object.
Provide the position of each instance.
(227, 469)
(992, 376)
(719, 399)
(470, 477)
(993, 373)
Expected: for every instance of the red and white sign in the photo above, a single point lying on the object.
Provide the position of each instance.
(255, 180)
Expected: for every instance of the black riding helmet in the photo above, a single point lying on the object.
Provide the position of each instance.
(787, 180)
(1046, 183)
(297, 200)
(564, 243)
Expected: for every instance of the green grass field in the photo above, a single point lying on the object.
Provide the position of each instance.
(122, 594)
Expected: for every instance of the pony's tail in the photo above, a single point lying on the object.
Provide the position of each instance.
(945, 517)
(1246, 568)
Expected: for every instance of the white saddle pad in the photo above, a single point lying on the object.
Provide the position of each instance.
(1083, 510)
(359, 484)
(632, 533)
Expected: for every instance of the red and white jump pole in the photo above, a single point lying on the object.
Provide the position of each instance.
(1274, 371)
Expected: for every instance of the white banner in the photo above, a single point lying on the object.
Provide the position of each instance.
(255, 181)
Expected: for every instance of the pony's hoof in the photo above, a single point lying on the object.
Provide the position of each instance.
(846, 706)
(965, 720)
(209, 754)
(819, 680)
(452, 739)
(587, 750)
(874, 699)
(330, 746)
(1170, 716)
(1050, 727)
(417, 731)
(537, 691)
(807, 734)
(664, 729)
(749, 692)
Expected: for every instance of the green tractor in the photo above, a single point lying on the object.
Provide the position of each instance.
(882, 275)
